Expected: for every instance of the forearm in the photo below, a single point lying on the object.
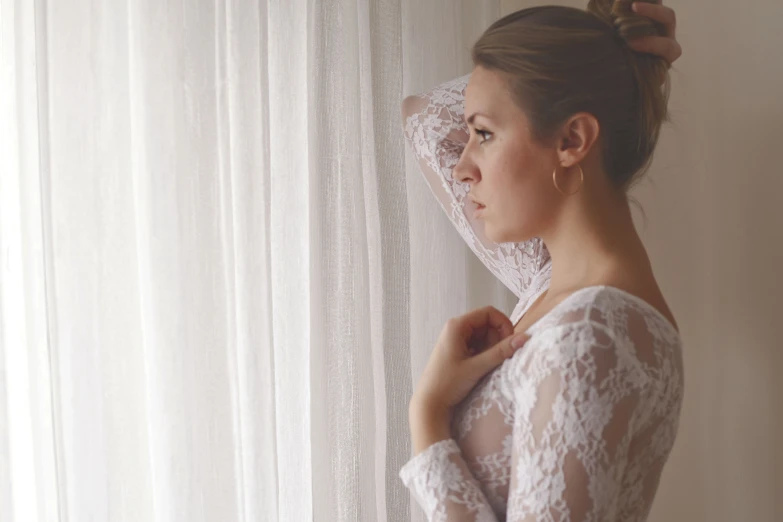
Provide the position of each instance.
(428, 424)
(438, 476)
(446, 103)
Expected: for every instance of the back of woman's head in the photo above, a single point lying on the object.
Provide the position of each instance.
(560, 60)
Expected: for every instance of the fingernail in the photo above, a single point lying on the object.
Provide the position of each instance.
(633, 6)
(518, 340)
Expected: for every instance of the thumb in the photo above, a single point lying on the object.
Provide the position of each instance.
(493, 357)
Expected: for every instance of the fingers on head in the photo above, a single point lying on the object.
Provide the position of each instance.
(659, 13)
(658, 45)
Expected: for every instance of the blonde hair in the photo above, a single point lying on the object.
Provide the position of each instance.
(561, 60)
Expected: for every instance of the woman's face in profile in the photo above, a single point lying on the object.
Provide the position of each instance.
(509, 172)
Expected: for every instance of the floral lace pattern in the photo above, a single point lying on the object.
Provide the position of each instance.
(575, 426)
(437, 133)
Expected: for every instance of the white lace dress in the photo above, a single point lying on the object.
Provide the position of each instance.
(577, 425)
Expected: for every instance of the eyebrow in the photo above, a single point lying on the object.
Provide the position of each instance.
(473, 117)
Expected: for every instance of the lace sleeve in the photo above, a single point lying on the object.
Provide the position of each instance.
(577, 403)
(444, 487)
(436, 132)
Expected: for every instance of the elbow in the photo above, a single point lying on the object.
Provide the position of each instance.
(410, 105)
(405, 109)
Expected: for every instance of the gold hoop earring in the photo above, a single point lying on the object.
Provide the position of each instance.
(582, 175)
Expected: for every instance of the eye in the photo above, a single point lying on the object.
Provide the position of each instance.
(483, 132)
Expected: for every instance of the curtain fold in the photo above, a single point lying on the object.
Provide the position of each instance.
(217, 289)
(30, 420)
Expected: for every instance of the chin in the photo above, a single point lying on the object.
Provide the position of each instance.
(506, 236)
(496, 237)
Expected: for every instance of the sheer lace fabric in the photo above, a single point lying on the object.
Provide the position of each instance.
(576, 426)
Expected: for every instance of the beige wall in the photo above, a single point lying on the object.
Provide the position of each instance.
(714, 230)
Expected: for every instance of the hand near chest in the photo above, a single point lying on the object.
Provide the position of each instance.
(468, 348)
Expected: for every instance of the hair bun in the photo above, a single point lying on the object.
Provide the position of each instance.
(626, 22)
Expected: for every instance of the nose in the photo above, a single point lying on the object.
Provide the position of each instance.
(465, 170)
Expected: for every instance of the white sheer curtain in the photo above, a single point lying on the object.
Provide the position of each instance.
(217, 290)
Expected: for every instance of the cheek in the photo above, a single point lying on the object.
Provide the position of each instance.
(521, 178)
(526, 199)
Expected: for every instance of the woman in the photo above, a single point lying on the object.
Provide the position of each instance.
(565, 108)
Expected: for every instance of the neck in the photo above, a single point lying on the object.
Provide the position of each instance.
(593, 240)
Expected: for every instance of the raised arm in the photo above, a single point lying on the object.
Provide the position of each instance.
(436, 133)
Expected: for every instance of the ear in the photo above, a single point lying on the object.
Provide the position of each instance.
(578, 136)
